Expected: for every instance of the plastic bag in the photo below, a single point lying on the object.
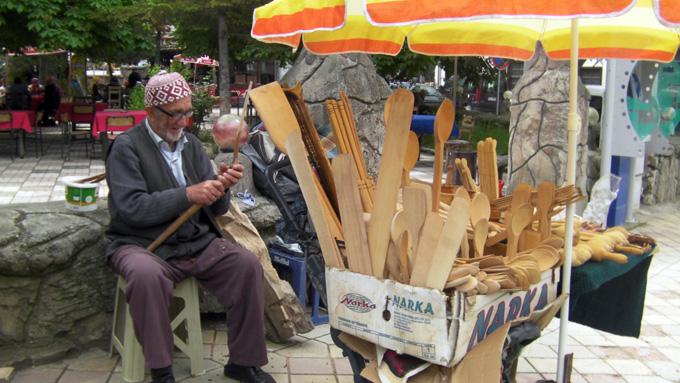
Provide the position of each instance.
(603, 193)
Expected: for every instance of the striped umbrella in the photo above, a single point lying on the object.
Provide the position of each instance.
(507, 29)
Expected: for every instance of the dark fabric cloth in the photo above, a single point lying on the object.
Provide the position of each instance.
(233, 274)
(145, 198)
(18, 97)
(610, 297)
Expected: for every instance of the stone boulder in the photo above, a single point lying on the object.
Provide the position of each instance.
(537, 149)
(323, 77)
(661, 178)
(56, 293)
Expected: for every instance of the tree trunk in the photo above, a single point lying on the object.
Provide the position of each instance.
(159, 36)
(223, 58)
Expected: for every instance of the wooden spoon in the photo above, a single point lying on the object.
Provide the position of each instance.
(443, 124)
(544, 203)
(519, 220)
(479, 208)
(479, 239)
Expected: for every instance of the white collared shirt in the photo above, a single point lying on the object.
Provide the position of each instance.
(172, 158)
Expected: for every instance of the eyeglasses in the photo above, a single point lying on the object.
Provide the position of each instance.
(176, 116)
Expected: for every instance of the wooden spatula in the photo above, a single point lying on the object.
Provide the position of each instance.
(453, 233)
(521, 217)
(417, 203)
(275, 111)
(318, 209)
(389, 176)
(351, 213)
(544, 203)
(429, 236)
(402, 238)
(443, 124)
(411, 158)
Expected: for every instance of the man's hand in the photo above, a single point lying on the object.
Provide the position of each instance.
(206, 192)
(230, 175)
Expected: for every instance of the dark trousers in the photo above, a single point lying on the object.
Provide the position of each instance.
(233, 274)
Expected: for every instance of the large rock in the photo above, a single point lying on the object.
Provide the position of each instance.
(55, 289)
(323, 77)
(661, 179)
(538, 125)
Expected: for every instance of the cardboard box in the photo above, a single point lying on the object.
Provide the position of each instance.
(424, 322)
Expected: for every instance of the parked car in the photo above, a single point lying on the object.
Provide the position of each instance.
(238, 92)
(427, 99)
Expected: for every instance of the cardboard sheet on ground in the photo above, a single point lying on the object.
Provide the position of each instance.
(483, 363)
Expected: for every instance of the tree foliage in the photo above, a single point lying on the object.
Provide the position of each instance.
(408, 65)
(92, 27)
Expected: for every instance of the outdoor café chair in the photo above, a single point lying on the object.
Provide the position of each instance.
(6, 118)
(69, 135)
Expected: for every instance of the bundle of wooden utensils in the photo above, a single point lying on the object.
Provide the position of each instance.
(401, 229)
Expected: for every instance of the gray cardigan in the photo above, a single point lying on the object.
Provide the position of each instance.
(145, 198)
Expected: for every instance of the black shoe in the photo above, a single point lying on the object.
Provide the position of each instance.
(162, 375)
(246, 374)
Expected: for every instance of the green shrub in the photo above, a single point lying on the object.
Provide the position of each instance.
(136, 98)
(202, 106)
(486, 125)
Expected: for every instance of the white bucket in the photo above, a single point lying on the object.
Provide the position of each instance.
(80, 196)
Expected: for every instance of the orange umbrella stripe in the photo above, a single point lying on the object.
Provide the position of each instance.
(308, 19)
(669, 11)
(353, 45)
(472, 50)
(393, 11)
(614, 53)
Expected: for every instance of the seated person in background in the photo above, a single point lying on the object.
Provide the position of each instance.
(155, 172)
(51, 102)
(35, 88)
(18, 97)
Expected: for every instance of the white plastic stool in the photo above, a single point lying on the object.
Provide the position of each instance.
(187, 322)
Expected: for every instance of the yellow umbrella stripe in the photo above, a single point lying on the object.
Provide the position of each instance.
(357, 36)
(668, 11)
(502, 38)
(290, 17)
(392, 11)
(616, 42)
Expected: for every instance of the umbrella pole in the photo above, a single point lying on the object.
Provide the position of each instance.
(573, 125)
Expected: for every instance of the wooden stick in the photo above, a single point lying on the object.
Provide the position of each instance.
(93, 179)
(174, 226)
(246, 101)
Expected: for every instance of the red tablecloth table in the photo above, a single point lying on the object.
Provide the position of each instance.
(67, 107)
(21, 119)
(99, 124)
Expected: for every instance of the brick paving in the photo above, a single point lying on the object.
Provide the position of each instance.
(599, 357)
